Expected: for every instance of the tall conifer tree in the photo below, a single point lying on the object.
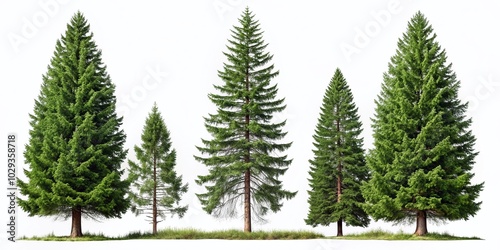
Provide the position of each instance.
(423, 149)
(243, 155)
(158, 189)
(338, 167)
(76, 146)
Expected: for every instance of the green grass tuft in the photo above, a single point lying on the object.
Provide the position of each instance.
(225, 235)
(379, 234)
(195, 234)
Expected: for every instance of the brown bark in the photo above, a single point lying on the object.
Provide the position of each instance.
(339, 194)
(339, 183)
(155, 211)
(421, 223)
(247, 208)
(76, 222)
(339, 228)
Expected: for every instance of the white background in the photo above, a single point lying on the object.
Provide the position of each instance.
(170, 51)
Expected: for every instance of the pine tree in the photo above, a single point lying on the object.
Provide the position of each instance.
(423, 149)
(75, 147)
(158, 189)
(338, 167)
(243, 156)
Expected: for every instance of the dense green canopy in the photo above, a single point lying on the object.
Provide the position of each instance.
(76, 145)
(423, 148)
(338, 167)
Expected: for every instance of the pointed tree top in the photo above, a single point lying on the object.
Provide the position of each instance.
(155, 107)
(247, 17)
(154, 114)
(419, 20)
(78, 17)
(419, 15)
(79, 14)
(247, 11)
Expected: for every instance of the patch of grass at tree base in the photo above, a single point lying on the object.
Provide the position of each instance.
(380, 234)
(195, 234)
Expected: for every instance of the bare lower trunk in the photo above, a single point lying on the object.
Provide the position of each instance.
(421, 223)
(248, 210)
(339, 193)
(76, 222)
(248, 207)
(155, 222)
(155, 212)
(339, 228)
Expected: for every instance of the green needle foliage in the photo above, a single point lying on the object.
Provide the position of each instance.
(338, 167)
(76, 146)
(244, 161)
(158, 189)
(423, 149)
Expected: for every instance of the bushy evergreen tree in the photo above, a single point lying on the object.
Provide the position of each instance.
(76, 145)
(423, 149)
(243, 155)
(157, 188)
(338, 167)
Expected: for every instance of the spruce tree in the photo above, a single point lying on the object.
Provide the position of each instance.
(423, 148)
(244, 158)
(158, 189)
(75, 147)
(338, 167)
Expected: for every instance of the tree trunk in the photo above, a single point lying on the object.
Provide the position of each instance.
(421, 223)
(76, 222)
(248, 210)
(155, 211)
(339, 193)
(339, 228)
(339, 182)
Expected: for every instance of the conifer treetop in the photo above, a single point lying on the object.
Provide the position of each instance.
(244, 153)
(423, 147)
(76, 145)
